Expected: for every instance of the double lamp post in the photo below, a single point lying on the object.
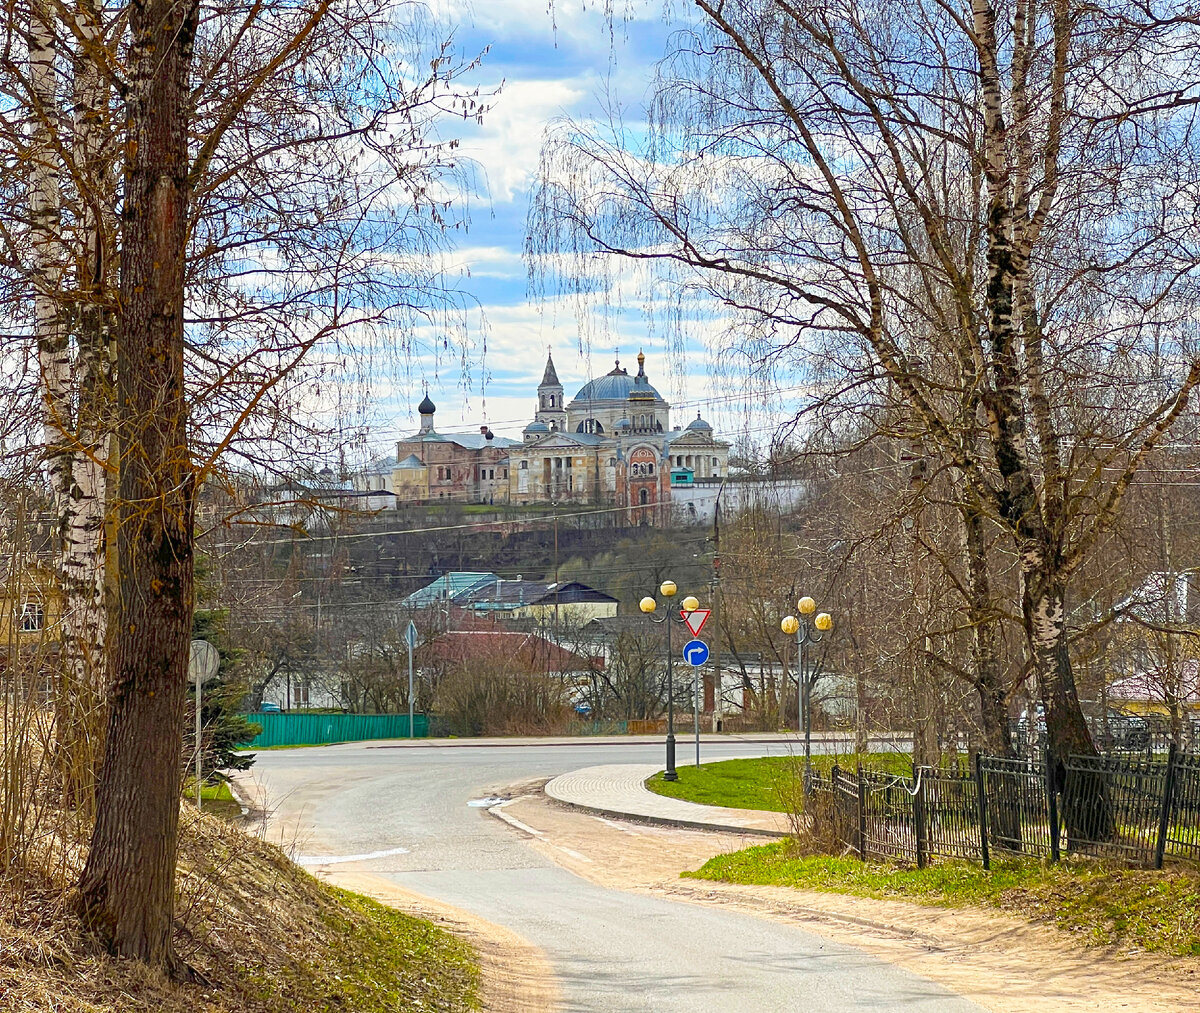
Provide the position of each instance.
(808, 630)
(648, 605)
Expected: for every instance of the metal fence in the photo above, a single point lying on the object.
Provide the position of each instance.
(1135, 810)
(319, 729)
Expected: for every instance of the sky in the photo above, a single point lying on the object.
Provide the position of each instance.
(547, 64)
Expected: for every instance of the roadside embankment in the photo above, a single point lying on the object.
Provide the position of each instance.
(259, 933)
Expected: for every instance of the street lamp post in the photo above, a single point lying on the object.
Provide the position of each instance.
(807, 631)
(689, 604)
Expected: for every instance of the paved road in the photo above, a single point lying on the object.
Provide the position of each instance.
(612, 950)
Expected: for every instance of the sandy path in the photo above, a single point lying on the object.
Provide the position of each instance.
(997, 960)
(515, 976)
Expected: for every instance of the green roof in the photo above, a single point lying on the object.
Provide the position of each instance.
(450, 586)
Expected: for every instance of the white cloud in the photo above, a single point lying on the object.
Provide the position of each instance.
(508, 144)
(578, 21)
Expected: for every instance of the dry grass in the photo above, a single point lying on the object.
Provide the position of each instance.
(265, 935)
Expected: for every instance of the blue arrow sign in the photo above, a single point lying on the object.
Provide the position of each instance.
(695, 653)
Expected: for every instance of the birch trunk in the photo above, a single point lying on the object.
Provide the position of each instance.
(985, 634)
(74, 446)
(85, 556)
(127, 888)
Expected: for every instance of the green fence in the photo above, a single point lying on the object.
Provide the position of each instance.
(314, 729)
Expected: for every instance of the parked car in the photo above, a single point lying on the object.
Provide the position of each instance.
(1122, 731)
(269, 708)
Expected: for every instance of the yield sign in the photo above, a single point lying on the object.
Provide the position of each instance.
(695, 620)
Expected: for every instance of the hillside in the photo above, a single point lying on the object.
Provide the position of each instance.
(261, 935)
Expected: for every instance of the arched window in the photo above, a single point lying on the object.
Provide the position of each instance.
(643, 497)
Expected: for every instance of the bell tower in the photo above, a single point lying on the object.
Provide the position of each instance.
(551, 410)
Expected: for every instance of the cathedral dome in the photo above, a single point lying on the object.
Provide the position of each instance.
(613, 386)
(426, 407)
(699, 425)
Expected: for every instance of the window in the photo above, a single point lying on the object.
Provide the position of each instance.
(643, 497)
(612, 462)
(524, 465)
(649, 469)
(33, 617)
(491, 472)
(506, 473)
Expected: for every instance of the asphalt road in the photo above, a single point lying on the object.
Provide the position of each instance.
(408, 807)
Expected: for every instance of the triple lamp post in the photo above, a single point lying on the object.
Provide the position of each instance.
(689, 604)
(807, 631)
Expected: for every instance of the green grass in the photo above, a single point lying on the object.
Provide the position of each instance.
(217, 799)
(383, 961)
(762, 783)
(1102, 904)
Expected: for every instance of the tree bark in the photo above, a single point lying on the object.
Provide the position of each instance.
(127, 888)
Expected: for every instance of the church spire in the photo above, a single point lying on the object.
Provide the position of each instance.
(550, 398)
(550, 377)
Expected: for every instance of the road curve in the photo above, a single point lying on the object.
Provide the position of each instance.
(404, 814)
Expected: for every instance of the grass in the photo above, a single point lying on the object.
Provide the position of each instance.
(762, 783)
(265, 935)
(216, 798)
(1101, 904)
(382, 960)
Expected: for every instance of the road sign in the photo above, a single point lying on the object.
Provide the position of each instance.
(696, 619)
(695, 653)
(203, 661)
(410, 635)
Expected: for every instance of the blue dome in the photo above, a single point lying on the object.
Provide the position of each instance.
(699, 424)
(624, 424)
(537, 427)
(612, 386)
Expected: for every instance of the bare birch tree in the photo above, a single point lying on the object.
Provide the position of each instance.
(975, 209)
(280, 195)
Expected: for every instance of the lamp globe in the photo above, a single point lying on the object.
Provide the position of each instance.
(690, 603)
(647, 604)
(823, 622)
(806, 606)
(789, 624)
(667, 589)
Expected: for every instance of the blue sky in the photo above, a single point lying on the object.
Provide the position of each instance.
(547, 64)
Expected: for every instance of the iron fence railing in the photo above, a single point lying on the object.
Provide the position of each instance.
(1137, 810)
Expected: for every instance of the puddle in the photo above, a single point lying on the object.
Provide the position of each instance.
(486, 803)
(337, 859)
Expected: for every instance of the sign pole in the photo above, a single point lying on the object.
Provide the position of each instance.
(410, 639)
(199, 802)
(204, 661)
(696, 708)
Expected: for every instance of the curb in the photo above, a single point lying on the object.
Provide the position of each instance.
(580, 741)
(667, 821)
(711, 824)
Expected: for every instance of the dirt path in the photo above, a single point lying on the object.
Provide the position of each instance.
(515, 975)
(999, 961)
